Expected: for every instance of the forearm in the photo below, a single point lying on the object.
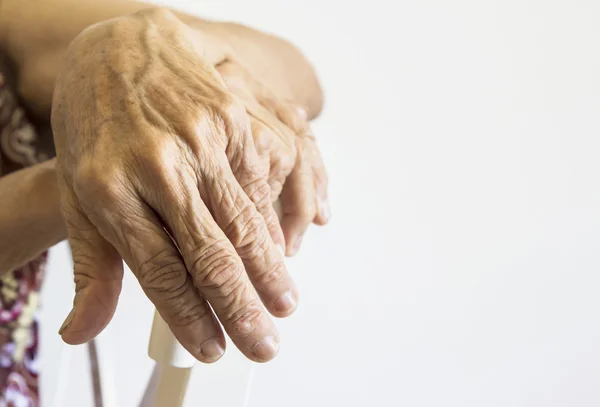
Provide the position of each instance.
(278, 64)
(35, 36)
(30, 220)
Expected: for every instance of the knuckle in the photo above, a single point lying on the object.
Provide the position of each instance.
(81, 279)
(283, 163)
(262, 136)
(165, 166)
(230, 71)
(164, 278)
(82, 284)
(163, 273)
(246, 318)
(83, 263)
(158, 151)
(247, 232)
(233, 113)
(225, 68)
(288, 115)
(161, 179)
(259, 192)
(276, 272)
(93, 181)
(185, 314)
(217, 268)
(254, 168)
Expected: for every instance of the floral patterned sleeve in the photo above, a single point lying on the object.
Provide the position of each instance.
(20, 145)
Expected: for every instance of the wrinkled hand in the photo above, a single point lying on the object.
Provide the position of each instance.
(286, 145)
(157, 166)
(304, 197)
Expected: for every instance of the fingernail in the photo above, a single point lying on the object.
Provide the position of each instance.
(212, 349)
(286, 303)
(281, 249)
(67, 322)
(265, 350)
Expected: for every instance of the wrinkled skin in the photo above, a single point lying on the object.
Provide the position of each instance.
(168, 163)
(294, 161)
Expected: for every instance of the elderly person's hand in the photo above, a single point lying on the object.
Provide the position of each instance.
(297, 176)
(157, 166)
(304, 196)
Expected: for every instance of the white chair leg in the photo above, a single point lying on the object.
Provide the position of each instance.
(168, 384)
(165, 349)
(225, 383)
(166, 387)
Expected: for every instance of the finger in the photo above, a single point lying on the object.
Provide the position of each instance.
(282, 117)
(278, 157)
(260, 101)
(98, 272)
(271, 136)
(320, 174)
(293, 116)
(164, 278)
(252, 175)
(250, 171)
(217, 271)
(135, 231)
(247, 231)
(321, 185)
(298, 202)
(242, 223)
(278, 210)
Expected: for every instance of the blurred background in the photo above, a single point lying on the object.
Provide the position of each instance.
(462, 264)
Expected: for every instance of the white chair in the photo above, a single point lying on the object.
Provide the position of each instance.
(169, 382)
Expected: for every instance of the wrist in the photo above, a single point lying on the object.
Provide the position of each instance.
(30, 219)
(278, 64)
(44, 189)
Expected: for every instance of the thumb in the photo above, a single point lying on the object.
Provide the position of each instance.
(98, 274)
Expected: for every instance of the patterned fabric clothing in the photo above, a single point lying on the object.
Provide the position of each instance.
(20, 146)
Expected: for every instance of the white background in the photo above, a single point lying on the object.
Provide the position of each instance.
(461, 267)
